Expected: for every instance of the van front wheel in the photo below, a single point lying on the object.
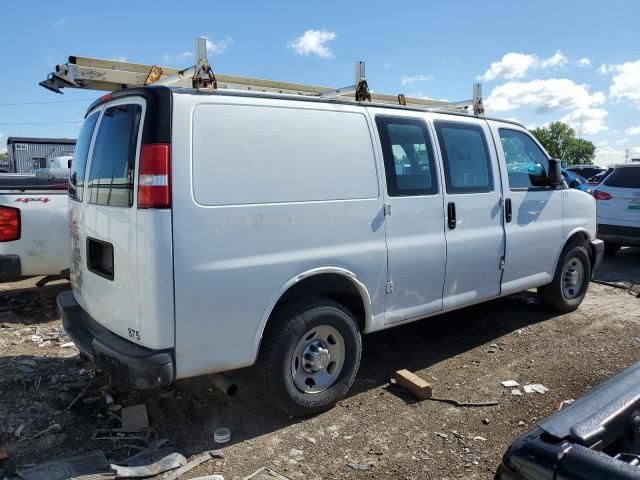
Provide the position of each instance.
(310, 355)
(570, 281)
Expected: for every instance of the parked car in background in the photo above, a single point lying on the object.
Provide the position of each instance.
(34, 232)
(574, 180)
(618, 206)
(587, 171)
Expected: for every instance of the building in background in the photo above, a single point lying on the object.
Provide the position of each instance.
(25, 155)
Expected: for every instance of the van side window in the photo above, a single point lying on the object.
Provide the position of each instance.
(79, 164)
(408, 156)
(113, 159)
(527, 165)
(465, 154)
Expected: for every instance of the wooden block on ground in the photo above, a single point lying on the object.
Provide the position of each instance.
(412, 382)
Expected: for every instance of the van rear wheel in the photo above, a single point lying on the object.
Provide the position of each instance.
(310, 355)
(570, 281)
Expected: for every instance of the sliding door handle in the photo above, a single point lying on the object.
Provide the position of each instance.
(451, 215)
(508, 212)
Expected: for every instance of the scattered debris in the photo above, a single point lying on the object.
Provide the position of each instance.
(92, 463)
(265, 474)
(221, 435)
(521, 423)
(478, 437)
(51, 428)
(108, 399)
(510, 383)
(442, 435)
(199, 460)
(87, 387)
(485, 421)
(169, 462)
(536, 387)
(134, 418)
(359, 466)
(458, 403)
(416, 385)
(68, 345)
(117, 434)
(517, 392)
(565, 403)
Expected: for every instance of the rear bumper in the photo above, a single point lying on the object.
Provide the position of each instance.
(597, 253)
(10, 268)
(619, 235)
(131, 364)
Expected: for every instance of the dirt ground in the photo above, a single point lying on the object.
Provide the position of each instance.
(465, 355)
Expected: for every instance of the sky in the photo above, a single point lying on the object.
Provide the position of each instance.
(538, 61)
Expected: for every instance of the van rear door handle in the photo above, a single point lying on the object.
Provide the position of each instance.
(451, 215)
(508, 213)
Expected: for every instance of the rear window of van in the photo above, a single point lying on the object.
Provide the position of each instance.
(112, 168)
(625, 177)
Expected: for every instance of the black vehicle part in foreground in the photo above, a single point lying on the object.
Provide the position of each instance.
(596, 437)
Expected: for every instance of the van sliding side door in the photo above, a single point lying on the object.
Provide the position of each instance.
(474, 221)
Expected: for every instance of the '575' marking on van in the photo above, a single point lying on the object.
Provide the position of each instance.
(134, 334)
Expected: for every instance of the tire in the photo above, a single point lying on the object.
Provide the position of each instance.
(610, 249)
(559, 295)
(302, 340)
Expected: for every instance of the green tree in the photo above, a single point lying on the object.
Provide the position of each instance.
(560, 141)
(3, 157)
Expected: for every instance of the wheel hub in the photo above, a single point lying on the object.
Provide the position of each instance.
(571, 278)
(316, 357)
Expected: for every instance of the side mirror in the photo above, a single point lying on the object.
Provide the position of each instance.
(555, 173)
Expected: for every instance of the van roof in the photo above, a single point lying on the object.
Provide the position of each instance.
(146, 91)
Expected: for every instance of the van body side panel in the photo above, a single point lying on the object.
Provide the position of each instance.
(534, 235)
(274, 189)
(155, 277)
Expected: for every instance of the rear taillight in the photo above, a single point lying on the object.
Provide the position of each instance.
(9, 224)
(600, 195)
(154, 182)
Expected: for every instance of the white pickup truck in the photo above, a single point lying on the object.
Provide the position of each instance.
(34, 231)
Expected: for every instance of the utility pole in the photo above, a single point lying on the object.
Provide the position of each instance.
(626, 156)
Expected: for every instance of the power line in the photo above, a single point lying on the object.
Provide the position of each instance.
(41, 123)
(46, 102)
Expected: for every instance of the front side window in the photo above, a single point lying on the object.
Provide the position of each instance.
(79, 163)
(408, 156)
(465, 154)
(113, 159)
(527, 165)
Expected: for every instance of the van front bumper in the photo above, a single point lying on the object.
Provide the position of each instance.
(128, 363)
(597, 254)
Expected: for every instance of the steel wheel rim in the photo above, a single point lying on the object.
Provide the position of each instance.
(317, 359)
(572, 278)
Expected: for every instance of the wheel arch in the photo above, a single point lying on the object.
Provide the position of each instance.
(336, 283)
(578, 235)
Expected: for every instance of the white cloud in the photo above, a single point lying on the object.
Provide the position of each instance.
(313, 42)
(512, 65)
(408, 80)
(516, 65)
(119, 58)
(558, 59)
(584, 62)
(62, 21)
(554, 94)
(628, 131)
(626, 82)
(607, 156)
(386, 64)
(545, 95)
(586, 121)
(216, 48)
(605, 68)
(186, 56)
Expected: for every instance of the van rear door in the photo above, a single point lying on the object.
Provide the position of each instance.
(121, 254)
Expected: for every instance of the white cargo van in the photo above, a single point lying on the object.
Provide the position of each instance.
(215, 230)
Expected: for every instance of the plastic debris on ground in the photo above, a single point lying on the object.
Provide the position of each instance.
(517, 392)
(91, 463)
(265, 474)
(510, 383)
(536, 387)
(169, 462)
(222, 435)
